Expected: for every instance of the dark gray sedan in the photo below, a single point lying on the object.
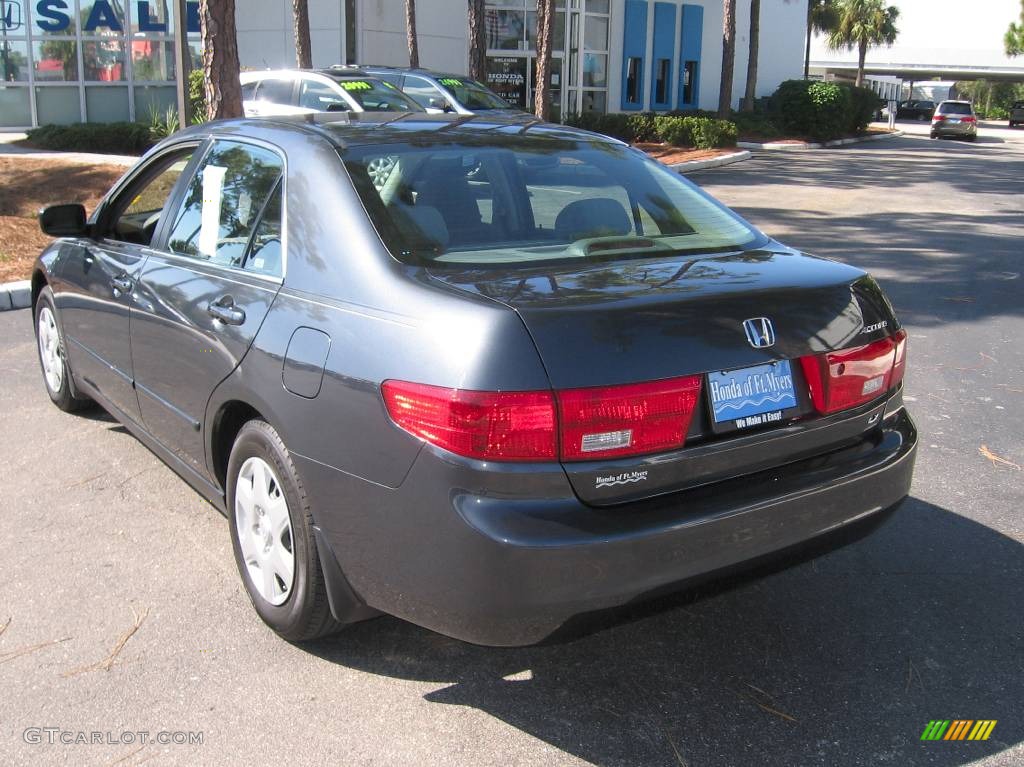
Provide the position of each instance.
(481, 375)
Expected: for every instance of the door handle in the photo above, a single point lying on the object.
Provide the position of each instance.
(224, 309)
(122, 284)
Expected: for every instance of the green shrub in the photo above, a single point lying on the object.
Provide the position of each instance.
(818, 110)
(682, 129)
(863, 103)
(674, 130)
(643, 126)
(107, 138)
(709, 133)
(758, 125)
(197, 96)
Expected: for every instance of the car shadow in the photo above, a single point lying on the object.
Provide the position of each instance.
(843, 659)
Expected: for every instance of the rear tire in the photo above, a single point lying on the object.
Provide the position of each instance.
(272, 536)
(53, 356)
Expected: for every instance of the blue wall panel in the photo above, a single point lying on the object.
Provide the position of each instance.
(634, 45)
(690, 38)
(664, 47)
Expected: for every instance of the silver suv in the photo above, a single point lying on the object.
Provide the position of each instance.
(956, 119)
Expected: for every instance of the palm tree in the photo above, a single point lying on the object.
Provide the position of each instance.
(728, 57)
(1014, 40)
(477, 40)
(300, 20)
(545, 38)
(410, 34)
(821, 17)
(861, 24)
(755, 34)
(220, 58)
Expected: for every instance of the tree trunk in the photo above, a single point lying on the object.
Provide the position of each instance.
(545, 38)
(300, 20)
(410, 34)
(862, 54)
(807, 49)
(755, 34)
(477, 41)
(728, 57)
(220, 58)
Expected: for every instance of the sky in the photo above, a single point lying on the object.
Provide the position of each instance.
(942, 32)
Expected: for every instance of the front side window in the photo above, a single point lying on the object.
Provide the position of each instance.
(378, 96)
(320, 96)
(423, 92)
(547, 200)
(140, 208)
(225, 203)
(472, 94)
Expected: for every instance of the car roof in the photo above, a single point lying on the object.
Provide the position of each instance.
(335, 74)
(354, 129)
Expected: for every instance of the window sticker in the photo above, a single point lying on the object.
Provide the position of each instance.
(451, 82)
(213, 194)
(356, 85)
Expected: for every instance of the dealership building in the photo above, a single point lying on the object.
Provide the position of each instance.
(65, 61)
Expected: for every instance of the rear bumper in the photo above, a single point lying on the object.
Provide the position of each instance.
(477, 561)
(961, 129)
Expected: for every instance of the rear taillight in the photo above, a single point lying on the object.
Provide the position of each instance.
(938, 118)
(850, 377)
(592, 423)
(615, 421)
(498, 426)
(970, 119)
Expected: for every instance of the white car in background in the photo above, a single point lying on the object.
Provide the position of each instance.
(304, 91)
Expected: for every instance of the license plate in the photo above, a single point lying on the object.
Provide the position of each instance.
(954, 121)
(752, 396)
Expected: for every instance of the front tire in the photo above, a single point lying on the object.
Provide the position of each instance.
(53, 356)
(272, 536)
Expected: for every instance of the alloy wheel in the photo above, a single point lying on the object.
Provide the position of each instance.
(49, 350)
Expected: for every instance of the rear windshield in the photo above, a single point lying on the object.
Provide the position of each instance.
(472, 95)
(536, 200)
(955, 108)
(378, 96)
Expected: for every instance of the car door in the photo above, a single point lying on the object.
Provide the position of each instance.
(97, 278)
(426, 94)
(205, 289)
(317, 96)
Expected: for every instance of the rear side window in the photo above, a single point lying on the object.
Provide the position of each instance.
(275, 91)
(954, 108)
(422, 92)
(227, 216)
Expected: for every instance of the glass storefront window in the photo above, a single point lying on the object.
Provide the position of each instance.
(106, 104)
(101, 18)
(557, 34)
(103, 60)
(15, 107)
(55, 60)
(58, 105)
(595, 101)
(506, 30)
(152, 60)
(597, 6)
(155, 16)
(14, 61)
(595, 70)
(595, 38)
(153, 100)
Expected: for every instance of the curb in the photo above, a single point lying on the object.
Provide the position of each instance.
(15, 295)
(776, 146)
(714, 162)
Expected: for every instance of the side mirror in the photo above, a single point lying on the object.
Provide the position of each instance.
(64, 220)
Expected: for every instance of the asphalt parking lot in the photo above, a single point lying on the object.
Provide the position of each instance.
(842, 660)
